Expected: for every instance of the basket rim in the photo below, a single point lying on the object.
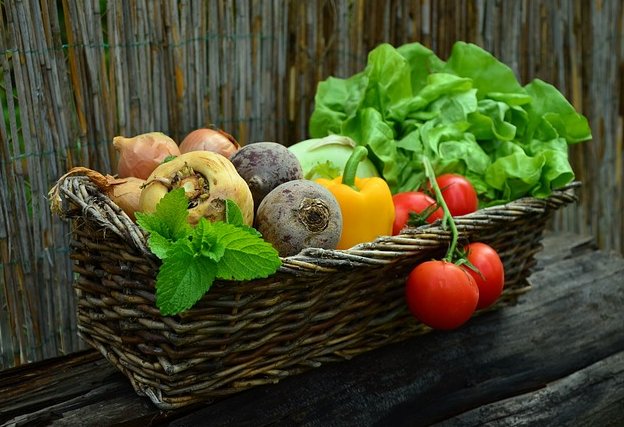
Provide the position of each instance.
(90, 203)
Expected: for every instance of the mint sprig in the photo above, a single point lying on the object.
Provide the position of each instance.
(168, 224)
(194, 257)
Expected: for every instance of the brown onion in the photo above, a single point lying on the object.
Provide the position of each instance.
(207, 139)
(140, 155)
(124, 192)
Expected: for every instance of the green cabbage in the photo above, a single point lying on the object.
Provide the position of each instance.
(468, 115)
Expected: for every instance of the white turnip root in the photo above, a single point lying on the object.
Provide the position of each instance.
(208, 180)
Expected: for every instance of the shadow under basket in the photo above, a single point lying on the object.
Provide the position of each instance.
(321, 306)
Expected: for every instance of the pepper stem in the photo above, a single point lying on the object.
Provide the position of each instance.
(448, 218)
(348, 176)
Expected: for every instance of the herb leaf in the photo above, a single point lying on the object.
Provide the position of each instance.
(204, 242)
(233, 213)
(193, 257)
(246, 255)
(183, 278)
(168, 223)
(160, 245)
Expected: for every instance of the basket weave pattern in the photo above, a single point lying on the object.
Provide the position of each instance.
(321, 306)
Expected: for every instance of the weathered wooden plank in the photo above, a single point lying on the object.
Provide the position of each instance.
(591, 397)
(28, 388)
(110, 404)
(560, 349)
(560, 246)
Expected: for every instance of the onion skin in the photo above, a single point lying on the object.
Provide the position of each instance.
(211, 171)
(140, 155)
(124, 192)
(207, 139)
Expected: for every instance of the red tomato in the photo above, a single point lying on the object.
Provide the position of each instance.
(459, 194)
(441, 295)
(489, 264)
(412, 201)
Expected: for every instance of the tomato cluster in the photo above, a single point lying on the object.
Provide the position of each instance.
(414, 208)
(417, 207)
(440, 293)
(444, 295)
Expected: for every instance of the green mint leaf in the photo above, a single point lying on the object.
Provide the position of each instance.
(159, 245)
(192, 257)
(246, 255)
(205, 241)
(168, 224)
(173, 211)
(169, 220)
(233, 213)
(234, 216)
(214, 252)
(183, 278)
(251, 230)
(152, 224)
(160, 238)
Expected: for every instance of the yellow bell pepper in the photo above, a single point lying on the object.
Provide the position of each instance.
(366, 203)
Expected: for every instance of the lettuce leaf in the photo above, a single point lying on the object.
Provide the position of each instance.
(468, 115)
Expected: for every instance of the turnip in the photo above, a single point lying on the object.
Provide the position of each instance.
(299, 214)
(264, 166)
(208, 179)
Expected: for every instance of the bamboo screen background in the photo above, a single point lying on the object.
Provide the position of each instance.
(77, 73)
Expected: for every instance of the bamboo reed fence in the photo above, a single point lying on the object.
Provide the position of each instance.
(77, 73)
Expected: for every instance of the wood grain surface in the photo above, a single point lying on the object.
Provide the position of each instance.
(555, 358)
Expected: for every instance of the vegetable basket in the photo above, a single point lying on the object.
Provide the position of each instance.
(320, 306)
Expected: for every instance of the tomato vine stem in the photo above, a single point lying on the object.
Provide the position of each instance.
(448, 218)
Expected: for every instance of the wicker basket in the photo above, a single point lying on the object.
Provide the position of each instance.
(321, 305)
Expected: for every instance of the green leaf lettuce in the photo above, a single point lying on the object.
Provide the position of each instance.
(467, 115)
